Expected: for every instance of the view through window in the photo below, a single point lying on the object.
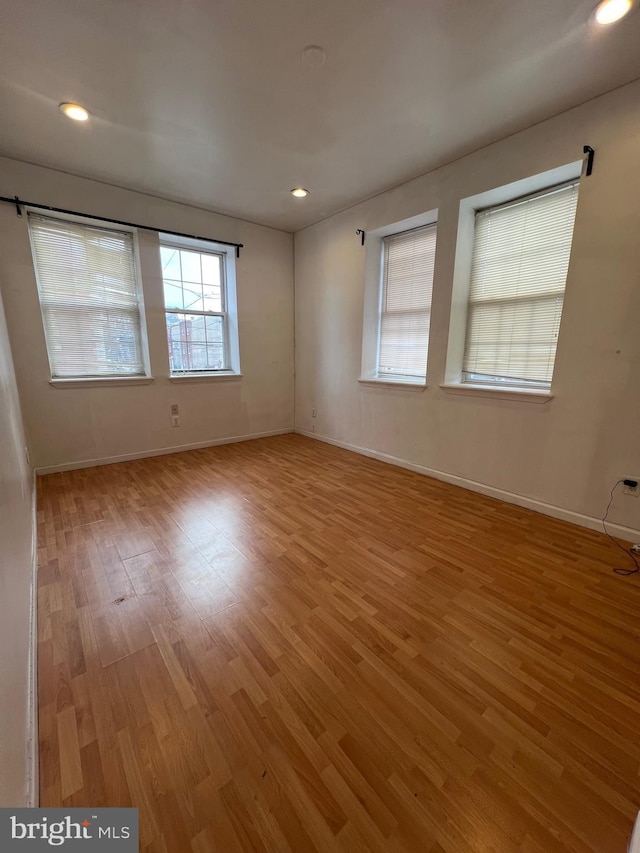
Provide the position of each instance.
(194, 296)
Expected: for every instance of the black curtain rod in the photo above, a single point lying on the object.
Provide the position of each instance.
(20, 203)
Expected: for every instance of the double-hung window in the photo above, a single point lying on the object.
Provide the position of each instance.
(90, 298)
(197, 309)
(405, 303)
(518, 274)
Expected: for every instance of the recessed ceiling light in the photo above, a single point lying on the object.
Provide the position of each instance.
(74, 111)
(300, 192)
(610, 11)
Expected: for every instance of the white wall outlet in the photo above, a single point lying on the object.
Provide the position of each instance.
(175, 415)
(314, 413)
(174, 409)
(630, 490)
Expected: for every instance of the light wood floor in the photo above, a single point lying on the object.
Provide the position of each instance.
(282, 646)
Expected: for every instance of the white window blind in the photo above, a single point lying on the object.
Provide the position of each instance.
(89, 298)
(519, 271)
(405, 312)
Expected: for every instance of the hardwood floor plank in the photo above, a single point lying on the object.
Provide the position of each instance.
(280, 646)
(71, 777)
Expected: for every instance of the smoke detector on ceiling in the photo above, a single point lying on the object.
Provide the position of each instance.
(313, 55)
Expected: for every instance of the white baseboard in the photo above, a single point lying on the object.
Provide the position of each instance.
(33, 763)
(588, 521)
(634, 843)
(160, 451)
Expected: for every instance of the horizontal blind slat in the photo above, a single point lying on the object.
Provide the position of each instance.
(519, 270)
(407, 283)
(89, 298)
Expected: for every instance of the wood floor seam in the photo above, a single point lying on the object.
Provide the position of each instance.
(280, 645)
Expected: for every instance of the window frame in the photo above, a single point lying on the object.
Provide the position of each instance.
(372, 313)
(229, 313)
(532, 186)
(84, 380)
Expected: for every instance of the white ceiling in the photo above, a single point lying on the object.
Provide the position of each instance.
(209, 102)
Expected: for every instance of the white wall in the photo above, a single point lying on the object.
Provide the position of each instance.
(16, 564)
(567, 453)
(67, 426)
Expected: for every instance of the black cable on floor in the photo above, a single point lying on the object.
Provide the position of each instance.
(628, 552)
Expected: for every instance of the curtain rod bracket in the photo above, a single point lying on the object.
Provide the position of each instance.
(591, 154)
(362, 235)
(18, 208)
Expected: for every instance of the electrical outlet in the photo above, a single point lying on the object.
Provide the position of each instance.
(175, 420)
(632, 490)
(314, 412)
(174, 409)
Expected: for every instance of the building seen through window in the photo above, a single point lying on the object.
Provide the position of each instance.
(195, 310)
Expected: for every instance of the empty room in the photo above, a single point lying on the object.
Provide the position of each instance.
(319, 443)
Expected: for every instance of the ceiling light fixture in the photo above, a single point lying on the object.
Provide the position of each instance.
(74, 111)
(610, 11)
(299, 192)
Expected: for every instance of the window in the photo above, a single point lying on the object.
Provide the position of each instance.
(89, 297)
(198, 310)
(405, 303)
(518, 275)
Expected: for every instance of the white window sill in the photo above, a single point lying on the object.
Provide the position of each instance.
(100, 381)
(521, 395)
(211, 377)
(408, 384)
